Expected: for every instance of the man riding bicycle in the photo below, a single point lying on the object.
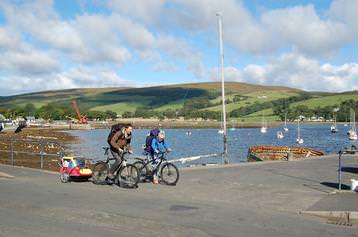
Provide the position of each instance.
(119, 141)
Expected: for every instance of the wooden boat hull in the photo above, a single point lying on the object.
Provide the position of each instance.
(265, 153)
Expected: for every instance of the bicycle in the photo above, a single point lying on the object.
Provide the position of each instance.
(126, 175)
(169, 173)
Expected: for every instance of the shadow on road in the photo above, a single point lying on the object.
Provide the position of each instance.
(335, 185)
(353, 170)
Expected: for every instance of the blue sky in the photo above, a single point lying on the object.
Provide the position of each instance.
(64, 44)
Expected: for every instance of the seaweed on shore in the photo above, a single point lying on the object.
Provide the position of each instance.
(28, 153)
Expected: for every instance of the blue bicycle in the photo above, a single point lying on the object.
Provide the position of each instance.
(168, 172)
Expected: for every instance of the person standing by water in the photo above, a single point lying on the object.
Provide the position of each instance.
(159, 146)
(119, 139)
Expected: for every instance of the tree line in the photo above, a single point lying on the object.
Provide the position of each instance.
(54, 112)
(326, 112)
(193, 108)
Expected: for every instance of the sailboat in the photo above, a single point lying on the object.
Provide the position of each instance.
(232, 126)
(352, 133)
(285, 128)
(299, 140)
(264, 124)
(279, 135)
(334, 128)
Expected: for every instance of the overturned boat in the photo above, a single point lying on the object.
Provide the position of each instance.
(264, 153)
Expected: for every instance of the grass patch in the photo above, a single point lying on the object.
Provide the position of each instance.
(118, 107)
(326, 100)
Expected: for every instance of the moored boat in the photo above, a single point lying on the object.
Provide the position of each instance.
(265, 153)
(279, 135)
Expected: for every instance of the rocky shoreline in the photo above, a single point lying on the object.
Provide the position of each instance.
(28, 146)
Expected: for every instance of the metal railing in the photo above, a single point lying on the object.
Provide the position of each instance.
(43, 144)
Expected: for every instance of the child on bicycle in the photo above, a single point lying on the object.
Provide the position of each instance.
(159, 146)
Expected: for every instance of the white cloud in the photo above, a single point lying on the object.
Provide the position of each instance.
(302, 28)
(28, 62)
(88, 77)
(87, 39)
(136, 35)
(294, 70)
(43, 23)
(8, 38)
(241, 30)
(144, 10)
(345, 11)
(73, 78)
(179, 49)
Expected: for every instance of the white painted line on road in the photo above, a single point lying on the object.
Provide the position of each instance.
(5, 175)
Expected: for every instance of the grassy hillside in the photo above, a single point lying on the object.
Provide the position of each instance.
(253, 97)
(328, 100)
(173, 97)
(119, 99)
(322, 101)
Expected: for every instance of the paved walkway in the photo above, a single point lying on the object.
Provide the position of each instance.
(253, 199)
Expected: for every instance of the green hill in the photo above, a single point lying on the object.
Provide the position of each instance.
(248, 99)
(119, 99)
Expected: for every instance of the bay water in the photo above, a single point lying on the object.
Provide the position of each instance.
(209, 141)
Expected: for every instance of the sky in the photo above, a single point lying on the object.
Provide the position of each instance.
(63, 44)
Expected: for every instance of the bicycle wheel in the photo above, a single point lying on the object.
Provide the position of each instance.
(65, 176)
(99, 173)
(143, 170)
(169, 174)
(128, 176)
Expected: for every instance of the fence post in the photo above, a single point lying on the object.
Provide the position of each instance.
(12, 153)
(41, 155)
(61, 154)
(340, 171)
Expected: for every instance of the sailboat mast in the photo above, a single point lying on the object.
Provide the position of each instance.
(335, 120)
(298, 130)
(219, 16)
(354, 120)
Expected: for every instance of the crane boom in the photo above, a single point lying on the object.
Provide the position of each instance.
(81, 119)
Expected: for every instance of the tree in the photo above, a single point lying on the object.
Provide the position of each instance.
(127, 114)
(169, 113)
(29, 109)
(111, 114)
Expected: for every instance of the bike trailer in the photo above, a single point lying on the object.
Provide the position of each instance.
(74, 168)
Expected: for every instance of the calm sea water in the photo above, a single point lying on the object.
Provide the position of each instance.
(208, 141)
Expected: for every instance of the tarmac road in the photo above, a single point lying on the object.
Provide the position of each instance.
(254, 199)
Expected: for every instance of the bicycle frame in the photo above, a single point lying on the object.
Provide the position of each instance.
(151, 160)
(123, 159)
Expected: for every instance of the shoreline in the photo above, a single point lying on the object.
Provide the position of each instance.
(28, 154)
(151, 123)
(52, 134)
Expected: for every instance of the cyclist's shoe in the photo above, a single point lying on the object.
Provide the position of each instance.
(110, 178)
(155, 179)
(110, 175)
(110, 181)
